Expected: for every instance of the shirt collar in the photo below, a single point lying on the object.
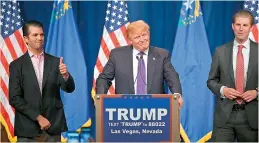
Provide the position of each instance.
(246, 44)
(32, 55)
(135, 51)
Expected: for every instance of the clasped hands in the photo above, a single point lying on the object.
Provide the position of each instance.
(232, 94)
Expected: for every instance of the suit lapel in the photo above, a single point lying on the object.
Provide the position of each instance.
(231, 70)
(28, 65)
(150, 68)
(252, 55)
(47, 67)
(130, 69)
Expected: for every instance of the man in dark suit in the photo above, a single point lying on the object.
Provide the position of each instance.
(234, 79)
(139, 68)
(34, 90)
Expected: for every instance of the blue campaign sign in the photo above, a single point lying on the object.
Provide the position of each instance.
(136, 118)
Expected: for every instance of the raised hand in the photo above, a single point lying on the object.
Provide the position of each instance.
(63, 68)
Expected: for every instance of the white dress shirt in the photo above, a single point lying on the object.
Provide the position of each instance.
(245, 52)
(38, 65)
(135, 65)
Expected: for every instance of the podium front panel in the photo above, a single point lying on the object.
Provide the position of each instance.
(137, 118)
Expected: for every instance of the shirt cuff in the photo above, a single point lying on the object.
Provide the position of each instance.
(178, 94)
(66, 77)
(221, 92)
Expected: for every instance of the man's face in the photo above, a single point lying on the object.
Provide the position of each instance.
(242, 27)
(35, 39)
(140, 39)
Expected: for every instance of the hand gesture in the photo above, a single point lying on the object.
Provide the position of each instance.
(231, 93)
(63, 68)
(44, 123)
(249, 95)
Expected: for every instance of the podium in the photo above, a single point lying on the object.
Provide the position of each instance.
(137, 118)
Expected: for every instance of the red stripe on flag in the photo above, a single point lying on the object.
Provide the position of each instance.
(10, 47)
(5, 90)
(123, 29)
(4, 87)
(255, 33)
(19, 38)
(7, 120)
(4, 62)
(99, 65)
(114, 39)
(105, 49)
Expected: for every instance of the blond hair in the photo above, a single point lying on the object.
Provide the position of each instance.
(137, 25)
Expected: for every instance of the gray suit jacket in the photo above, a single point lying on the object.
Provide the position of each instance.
(120, 67)
(222, 74)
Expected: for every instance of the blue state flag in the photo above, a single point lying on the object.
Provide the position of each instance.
(63, 41)
(191, 58)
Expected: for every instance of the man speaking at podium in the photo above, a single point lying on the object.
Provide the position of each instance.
(139, 68)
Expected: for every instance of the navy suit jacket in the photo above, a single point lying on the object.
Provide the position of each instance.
(120, 67)
(26, 98)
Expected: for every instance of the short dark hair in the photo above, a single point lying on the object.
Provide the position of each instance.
(25, 28)
(243, 13)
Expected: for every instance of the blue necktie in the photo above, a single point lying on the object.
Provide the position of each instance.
(141, 76)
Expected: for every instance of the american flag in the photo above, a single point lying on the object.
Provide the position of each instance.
(12, 46)
(252, 6)
(114, 35)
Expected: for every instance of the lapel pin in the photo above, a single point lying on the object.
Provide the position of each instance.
(154, 58)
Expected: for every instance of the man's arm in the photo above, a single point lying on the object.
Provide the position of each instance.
(214, 75)
(104, 81)
(66, 81)
(68, 84)
(171, 76)
(16, 92)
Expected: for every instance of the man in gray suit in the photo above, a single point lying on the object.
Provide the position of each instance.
(234, 79)
(128, 66)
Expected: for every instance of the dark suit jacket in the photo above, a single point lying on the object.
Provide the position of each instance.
(222, 74)
(120, 67)
(25, 96)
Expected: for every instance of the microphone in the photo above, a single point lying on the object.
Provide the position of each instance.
(141, 57)
(137, 58)
(137, 70)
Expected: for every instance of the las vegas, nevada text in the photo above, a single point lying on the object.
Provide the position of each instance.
(128, 118)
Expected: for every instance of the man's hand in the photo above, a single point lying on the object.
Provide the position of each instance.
(44, 123)
(180, 102)
(63, 69)
(249, 95)
(231, 93)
